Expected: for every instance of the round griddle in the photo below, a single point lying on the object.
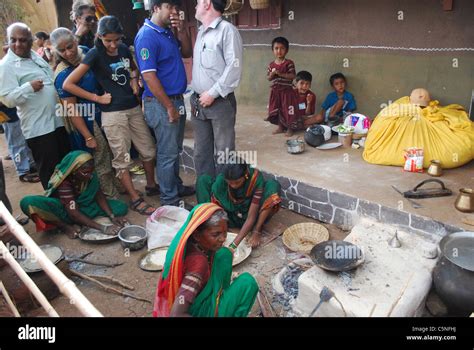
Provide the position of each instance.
(337, 255)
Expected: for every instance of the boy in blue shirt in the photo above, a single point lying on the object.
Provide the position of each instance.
(337, 103)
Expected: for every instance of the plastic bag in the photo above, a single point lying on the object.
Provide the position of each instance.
(414, 160)
(163, 225)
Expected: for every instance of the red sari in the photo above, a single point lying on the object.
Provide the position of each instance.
(283, 100)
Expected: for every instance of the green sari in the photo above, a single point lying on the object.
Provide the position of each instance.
(50, 209)
(237, 202)
(219, 297)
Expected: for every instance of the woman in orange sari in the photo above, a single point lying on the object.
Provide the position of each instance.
(196, 278)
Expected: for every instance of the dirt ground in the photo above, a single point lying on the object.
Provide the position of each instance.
(263, 263)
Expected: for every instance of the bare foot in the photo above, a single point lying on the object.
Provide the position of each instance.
(289, 133)
(69, 230)
(278, 130)
(255, 239)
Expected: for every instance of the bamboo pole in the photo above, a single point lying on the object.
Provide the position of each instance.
(65, 285)
(27, 280)
(9, 300)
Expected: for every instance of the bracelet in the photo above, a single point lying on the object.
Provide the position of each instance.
(233, 246)
(89, 138)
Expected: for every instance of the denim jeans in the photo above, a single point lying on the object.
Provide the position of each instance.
(17, 148)
(169, 144)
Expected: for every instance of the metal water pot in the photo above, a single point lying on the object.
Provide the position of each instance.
(465, 200)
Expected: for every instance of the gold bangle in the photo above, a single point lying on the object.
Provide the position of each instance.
(89, 138)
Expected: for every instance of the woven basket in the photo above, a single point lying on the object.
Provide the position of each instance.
(303, 237)
(233, 7)
(259, 4)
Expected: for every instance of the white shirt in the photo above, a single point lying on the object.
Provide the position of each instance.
(36, 110)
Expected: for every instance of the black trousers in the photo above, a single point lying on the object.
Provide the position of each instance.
(48, 150)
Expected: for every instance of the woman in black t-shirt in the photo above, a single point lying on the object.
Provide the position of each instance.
(122, 117)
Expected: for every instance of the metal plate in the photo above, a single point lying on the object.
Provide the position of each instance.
(330, 145)
(458, 248)
(30, 264)
(154, 260)
(337, 255)
(242, 252)
(95, 236)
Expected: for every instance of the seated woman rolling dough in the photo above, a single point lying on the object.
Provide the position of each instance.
(73, 197)
(247, 198)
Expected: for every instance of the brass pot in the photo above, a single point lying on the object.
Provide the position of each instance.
(465, 200)
(435, 168)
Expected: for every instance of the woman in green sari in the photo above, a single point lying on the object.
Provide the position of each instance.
(197, 271)
(73, 197)
(247, 198)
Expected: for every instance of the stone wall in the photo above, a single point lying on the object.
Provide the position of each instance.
(338, 208)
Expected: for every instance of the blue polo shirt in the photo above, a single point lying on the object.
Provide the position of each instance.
(157, 50)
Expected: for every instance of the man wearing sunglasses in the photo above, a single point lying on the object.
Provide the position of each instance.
(85, 22)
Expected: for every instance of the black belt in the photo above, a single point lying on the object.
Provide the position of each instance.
(176, 97)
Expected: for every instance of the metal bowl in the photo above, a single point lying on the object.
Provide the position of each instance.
(133, 237)
(295, 146)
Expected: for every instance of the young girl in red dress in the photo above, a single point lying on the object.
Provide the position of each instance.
(281, 72)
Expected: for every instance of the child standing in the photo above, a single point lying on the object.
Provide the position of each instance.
(337, 103)
(281, 72)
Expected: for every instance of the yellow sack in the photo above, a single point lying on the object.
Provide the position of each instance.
(444, 133)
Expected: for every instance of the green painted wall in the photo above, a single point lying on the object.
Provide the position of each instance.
(373, 78)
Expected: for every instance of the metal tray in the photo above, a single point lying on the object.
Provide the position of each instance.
(29, 263)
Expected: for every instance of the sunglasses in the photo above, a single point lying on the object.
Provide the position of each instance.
(90, 19)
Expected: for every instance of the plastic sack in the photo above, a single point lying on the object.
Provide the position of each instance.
(359, 121)
(163, 224)
(414, 160)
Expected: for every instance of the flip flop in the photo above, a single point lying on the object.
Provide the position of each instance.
(143, 211)
(31, 178)
(137, 170)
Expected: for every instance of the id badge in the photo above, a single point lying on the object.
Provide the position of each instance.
(302, 106)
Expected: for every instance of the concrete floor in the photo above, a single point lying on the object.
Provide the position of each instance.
(343, 170)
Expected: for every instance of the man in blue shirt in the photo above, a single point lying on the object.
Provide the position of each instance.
(160, 45)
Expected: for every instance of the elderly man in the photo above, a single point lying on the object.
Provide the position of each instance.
(160, 45)
(217, 69)
(27, 84)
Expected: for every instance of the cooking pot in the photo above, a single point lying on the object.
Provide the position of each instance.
(295, 146)
(314, 135)
(453, 275)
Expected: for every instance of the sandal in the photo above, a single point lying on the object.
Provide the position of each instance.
(152, 191)
(137, 170)
(31, 178)
(144, 210)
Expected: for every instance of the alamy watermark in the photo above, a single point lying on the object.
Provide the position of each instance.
(83, 110)
(237, 157)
